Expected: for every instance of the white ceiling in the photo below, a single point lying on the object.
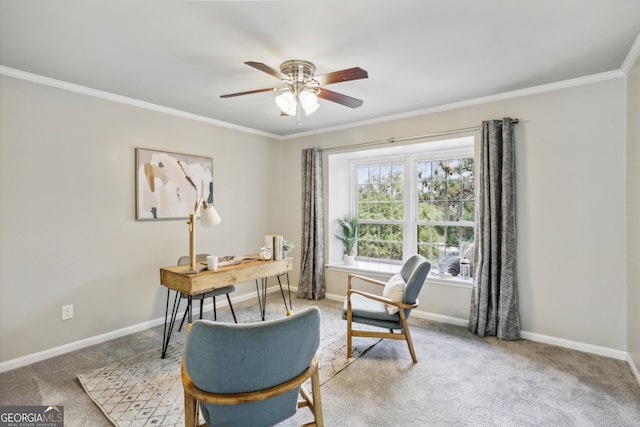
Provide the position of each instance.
(419, 54)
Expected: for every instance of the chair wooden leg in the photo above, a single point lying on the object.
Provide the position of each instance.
(349, 328)
(317, 400)
(407, 336)
(313, 402)
(190, 411)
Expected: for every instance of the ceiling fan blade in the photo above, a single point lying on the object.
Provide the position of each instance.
(249, 92)
(339, 98)
(266, 69)
(354, 73)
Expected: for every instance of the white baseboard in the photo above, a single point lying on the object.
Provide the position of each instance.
(77, 345)
(98, 339)
(334, 297)
(531, 336)
(634, 368)
(66, 348)
(440, 318)
(575, 345)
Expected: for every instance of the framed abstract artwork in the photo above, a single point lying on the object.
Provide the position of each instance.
(168, 185)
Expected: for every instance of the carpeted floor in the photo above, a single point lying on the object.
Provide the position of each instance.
(464, 380)
(459, 380)
(145, 390)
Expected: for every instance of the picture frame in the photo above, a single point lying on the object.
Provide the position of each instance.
(168, 185)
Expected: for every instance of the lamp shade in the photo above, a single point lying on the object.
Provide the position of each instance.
(209, 216)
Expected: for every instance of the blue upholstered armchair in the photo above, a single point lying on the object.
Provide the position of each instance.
(250, 374)
(391, 308)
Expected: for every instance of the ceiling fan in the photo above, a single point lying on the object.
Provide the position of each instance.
(301, 88)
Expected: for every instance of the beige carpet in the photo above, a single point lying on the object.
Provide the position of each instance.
(147, 391)
(460, 380)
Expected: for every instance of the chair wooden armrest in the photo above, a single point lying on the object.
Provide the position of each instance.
(380, 298)
(308, 320)
(193, 395)
(364, 279)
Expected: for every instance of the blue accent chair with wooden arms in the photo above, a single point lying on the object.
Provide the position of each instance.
(250, 374)
(386, 310)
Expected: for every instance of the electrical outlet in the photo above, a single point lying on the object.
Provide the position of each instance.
(67, 312)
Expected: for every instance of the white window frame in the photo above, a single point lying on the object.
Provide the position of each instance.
(458, 148)
(340, 199)
(354, 195)
(448, 154)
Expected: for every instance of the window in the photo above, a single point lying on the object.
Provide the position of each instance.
(446, 206)
(381, 210)
(421, 202)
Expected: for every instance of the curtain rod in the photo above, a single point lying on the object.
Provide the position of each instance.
(393, 140)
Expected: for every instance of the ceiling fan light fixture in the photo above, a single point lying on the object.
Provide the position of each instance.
(287, 103)
(302, 88)
(309, 102)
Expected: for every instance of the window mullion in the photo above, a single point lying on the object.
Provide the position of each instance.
(411, 207)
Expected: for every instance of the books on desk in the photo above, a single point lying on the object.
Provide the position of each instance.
(275, 242)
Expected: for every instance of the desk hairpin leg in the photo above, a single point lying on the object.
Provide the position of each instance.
(187, 312)
(168, 328)
(262, 296)
(189, 315)
(289, 309)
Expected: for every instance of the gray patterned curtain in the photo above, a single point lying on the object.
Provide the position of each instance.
(311, 285)
(494, 304)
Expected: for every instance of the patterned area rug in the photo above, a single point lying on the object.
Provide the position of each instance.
(147, 391)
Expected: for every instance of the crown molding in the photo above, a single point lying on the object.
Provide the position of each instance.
(594, 78)
(632, 56)
(72, 87)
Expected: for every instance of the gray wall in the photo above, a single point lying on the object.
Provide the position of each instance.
(68, 234)
(633, 214)
(570, 154)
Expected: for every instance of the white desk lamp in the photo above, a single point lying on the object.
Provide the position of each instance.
(209, 217)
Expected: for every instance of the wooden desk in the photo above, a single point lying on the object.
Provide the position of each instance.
(190, 284)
